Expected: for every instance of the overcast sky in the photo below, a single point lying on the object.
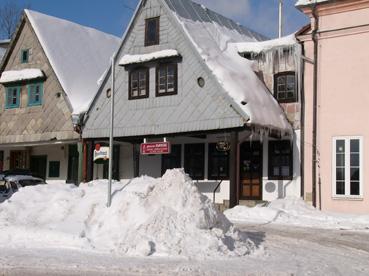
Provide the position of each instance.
(112, 16)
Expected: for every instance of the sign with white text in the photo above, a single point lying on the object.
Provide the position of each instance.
(155, 148)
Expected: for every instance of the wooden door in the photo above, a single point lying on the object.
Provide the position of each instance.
(251, 164)
(38, 166)
(19, 160)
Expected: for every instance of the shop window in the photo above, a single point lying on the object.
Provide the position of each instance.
(12, 97)
(166, 79)
(347, 165)
(285, 87)
(152, 31)
(35, 94)
(194, 163)
(1, 161)
(139, 84)
(218, 163)
(172, 160)
(54, 169)
(280, 160)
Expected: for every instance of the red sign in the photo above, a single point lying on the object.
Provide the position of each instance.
(155, 148)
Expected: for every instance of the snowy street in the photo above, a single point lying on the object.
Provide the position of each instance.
(286, 250)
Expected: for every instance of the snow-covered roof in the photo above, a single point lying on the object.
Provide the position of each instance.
(20, 75)
(214, 36)
(134, 59)
(309, 2)
(263, 46)
(2, 53)
(78, 55)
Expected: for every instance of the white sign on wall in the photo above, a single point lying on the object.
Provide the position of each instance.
(101, 154)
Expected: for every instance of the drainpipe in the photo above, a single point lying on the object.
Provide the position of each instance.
(315, 100)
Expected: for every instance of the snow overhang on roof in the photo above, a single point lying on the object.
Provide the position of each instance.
(264, 46)
(309, 2)
(136, 59)
(21, 75)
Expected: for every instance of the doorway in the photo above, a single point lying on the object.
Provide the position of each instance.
(38, 166)
(251, 169)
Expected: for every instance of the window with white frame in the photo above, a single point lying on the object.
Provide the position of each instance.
(347, 166)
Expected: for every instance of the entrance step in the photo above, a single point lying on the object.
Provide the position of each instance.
(253, 203)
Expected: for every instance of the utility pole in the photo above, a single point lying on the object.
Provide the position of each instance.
(111, 141)
(280, 29)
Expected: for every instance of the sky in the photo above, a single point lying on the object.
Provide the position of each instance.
(113, 16)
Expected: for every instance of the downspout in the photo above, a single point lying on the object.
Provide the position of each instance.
(315, 101)
(302, 116)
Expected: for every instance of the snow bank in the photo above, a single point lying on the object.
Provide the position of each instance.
(262, 46)
(167, 216)
(294, 211)
(20, 75)
(134, 59)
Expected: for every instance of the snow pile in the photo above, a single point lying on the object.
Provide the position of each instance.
(20, 75)
(162, 217)
(263, 46)
(294, 211)
(134, 59)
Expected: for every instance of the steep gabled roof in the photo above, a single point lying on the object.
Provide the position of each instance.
(214, 38)
(79, 55)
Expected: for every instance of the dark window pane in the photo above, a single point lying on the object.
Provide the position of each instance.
(340, 174)
(218, 163)
(340, 160)
(152, 31)
(340, 146)
(355, 145)
(340, 187)
(54, 169)
(195, 160)
(280, 159)
(355, 188)
(355, 174)
(172, 160)
(167, 79)
(355, 160)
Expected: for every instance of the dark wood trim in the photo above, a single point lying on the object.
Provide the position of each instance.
(157, 41)
(137, 70)
(233, 164)
(280, 74)
(175, 92)
(270, 153)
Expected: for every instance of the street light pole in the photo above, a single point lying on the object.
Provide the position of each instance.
(280, 29)
(111, 141)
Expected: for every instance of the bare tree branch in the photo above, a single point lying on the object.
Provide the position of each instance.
(10, 14)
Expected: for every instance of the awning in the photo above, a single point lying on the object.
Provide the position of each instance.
(21, 75)
(136, 59)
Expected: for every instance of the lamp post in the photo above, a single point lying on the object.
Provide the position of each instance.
(280, 26)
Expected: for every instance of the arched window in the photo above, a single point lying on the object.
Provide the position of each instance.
(285, 87)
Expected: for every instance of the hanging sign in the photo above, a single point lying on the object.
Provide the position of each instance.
(155, 148)
(101, 153)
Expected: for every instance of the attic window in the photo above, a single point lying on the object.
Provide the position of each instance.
(139, 84)
(152, 31)
(285, 87)
(25, 56)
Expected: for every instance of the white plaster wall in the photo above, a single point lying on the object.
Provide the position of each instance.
(274, 189)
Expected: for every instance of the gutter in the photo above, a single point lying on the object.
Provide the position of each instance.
(315, 102)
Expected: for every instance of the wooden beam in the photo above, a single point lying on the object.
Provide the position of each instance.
(233, 165)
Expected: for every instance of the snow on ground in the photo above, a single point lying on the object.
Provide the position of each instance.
(294, 211)
(167, 216)
(19, 75)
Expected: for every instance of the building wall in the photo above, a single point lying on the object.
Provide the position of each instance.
(51, 120)
(342, 97)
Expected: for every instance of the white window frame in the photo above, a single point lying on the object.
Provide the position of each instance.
(347, 194)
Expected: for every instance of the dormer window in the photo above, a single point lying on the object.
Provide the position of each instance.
(12, 97)
(285, 87)
(25, 56)
(139, 84)
(152, 31)
(35, 94)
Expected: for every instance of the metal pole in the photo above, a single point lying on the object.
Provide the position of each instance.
(111, 142)
(280, 29)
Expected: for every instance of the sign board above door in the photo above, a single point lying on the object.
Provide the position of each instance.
(155, 148)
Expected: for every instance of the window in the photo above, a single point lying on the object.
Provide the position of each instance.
(35, 93)
(54, 169)
(152, 31)
(285, 87)
(347, 166)
(194, 163)
(25, 56)
(280, 160)
(218, 163)
(139, 84)
(12, 97)
(166, 79)
(172, 160)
